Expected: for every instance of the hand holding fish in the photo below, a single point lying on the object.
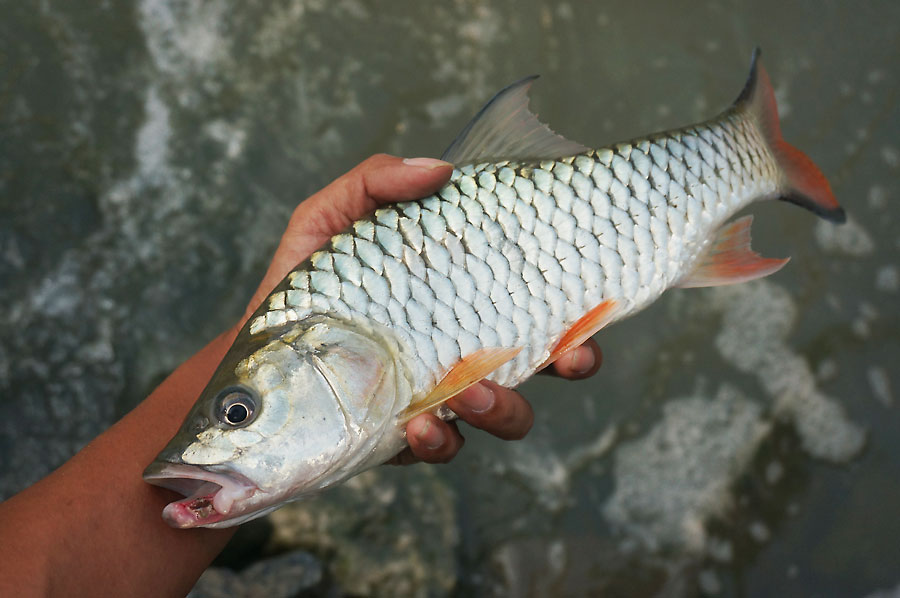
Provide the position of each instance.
(377, 181)
(363, 343)
(98, 499)
(517, 258)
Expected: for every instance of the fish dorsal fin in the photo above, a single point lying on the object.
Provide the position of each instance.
(468, 371)
(730, 260)
(505, 129)
(586, 327)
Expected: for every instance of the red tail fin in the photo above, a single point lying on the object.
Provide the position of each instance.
(806, 185)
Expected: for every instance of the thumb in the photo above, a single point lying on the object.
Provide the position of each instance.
(376, 181)
(388, 178)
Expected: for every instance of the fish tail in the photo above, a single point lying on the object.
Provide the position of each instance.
(804, 183)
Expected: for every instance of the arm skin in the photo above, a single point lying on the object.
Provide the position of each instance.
(93, 527)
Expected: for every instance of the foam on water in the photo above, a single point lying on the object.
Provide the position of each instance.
(887, 279)
(756, 320)
(678, 475)
(886, 593)
(549, 474)
(669, 482)
(185, 38)
(880, 384)
(849, 238)
(152, 144)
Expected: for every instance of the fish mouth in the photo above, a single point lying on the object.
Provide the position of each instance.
(209, 497)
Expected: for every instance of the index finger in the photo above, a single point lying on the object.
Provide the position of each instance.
(581, 362)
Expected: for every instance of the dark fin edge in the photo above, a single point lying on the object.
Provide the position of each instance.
(806, 186)
(506, 129)
(454, 148)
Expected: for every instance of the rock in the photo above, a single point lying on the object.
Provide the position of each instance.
(378, 541)
(283, 576)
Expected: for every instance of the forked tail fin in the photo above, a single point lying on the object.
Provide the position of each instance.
(805, 185)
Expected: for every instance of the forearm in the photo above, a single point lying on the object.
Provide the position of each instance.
(78, 530)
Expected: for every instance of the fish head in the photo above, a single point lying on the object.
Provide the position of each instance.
(285, 415)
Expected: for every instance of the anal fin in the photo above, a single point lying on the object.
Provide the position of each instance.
(730, 259)
(586, 327)
(468, 371)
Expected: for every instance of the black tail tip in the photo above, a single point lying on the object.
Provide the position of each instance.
(836, 214)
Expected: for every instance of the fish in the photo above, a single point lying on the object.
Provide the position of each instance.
(535, 244)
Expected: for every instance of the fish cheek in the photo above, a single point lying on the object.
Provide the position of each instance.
(244, 439)
(315, 436)
(212, 447)
(362, 382)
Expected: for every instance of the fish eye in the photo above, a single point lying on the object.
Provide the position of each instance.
(236, 407)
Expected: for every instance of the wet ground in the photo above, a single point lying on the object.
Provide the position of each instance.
(738, 442)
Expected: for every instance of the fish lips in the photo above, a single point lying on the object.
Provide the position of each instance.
(209, 497)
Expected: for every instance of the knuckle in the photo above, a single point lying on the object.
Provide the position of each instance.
(374, 160)
(451, 449)
(509, 418)
(520, 420)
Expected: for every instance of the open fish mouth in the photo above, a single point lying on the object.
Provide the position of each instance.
(209, 497)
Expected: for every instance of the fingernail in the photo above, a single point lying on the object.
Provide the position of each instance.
(426, 163)
(477, 398)
(431, 436)
(582, 360)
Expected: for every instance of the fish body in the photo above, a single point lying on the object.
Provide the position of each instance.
(513, 262)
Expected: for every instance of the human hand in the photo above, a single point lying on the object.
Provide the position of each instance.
(500, 411)
(379, 180)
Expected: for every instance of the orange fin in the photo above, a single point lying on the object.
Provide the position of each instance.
(806, 186)
(586, 327)
(730, 260)
(470, 369)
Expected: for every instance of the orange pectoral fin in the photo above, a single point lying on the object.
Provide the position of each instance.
(468, 371)
(586, 327)
(730, 260)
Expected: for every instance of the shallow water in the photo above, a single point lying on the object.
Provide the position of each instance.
(738, 442)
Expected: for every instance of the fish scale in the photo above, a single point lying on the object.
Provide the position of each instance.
(520, 236)
(533, 245)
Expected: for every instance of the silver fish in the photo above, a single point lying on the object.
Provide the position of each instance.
(534, 245)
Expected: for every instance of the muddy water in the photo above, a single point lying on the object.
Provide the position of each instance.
(738, 442)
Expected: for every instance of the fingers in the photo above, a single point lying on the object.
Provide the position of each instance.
(495, 409)
(581, 362)
(431, 440)
(374, 182)
(389, 178)
(377, 180)
(487, 406)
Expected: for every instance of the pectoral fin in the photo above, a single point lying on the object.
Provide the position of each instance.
(583, 329)
(730, 260)
(464, 374)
